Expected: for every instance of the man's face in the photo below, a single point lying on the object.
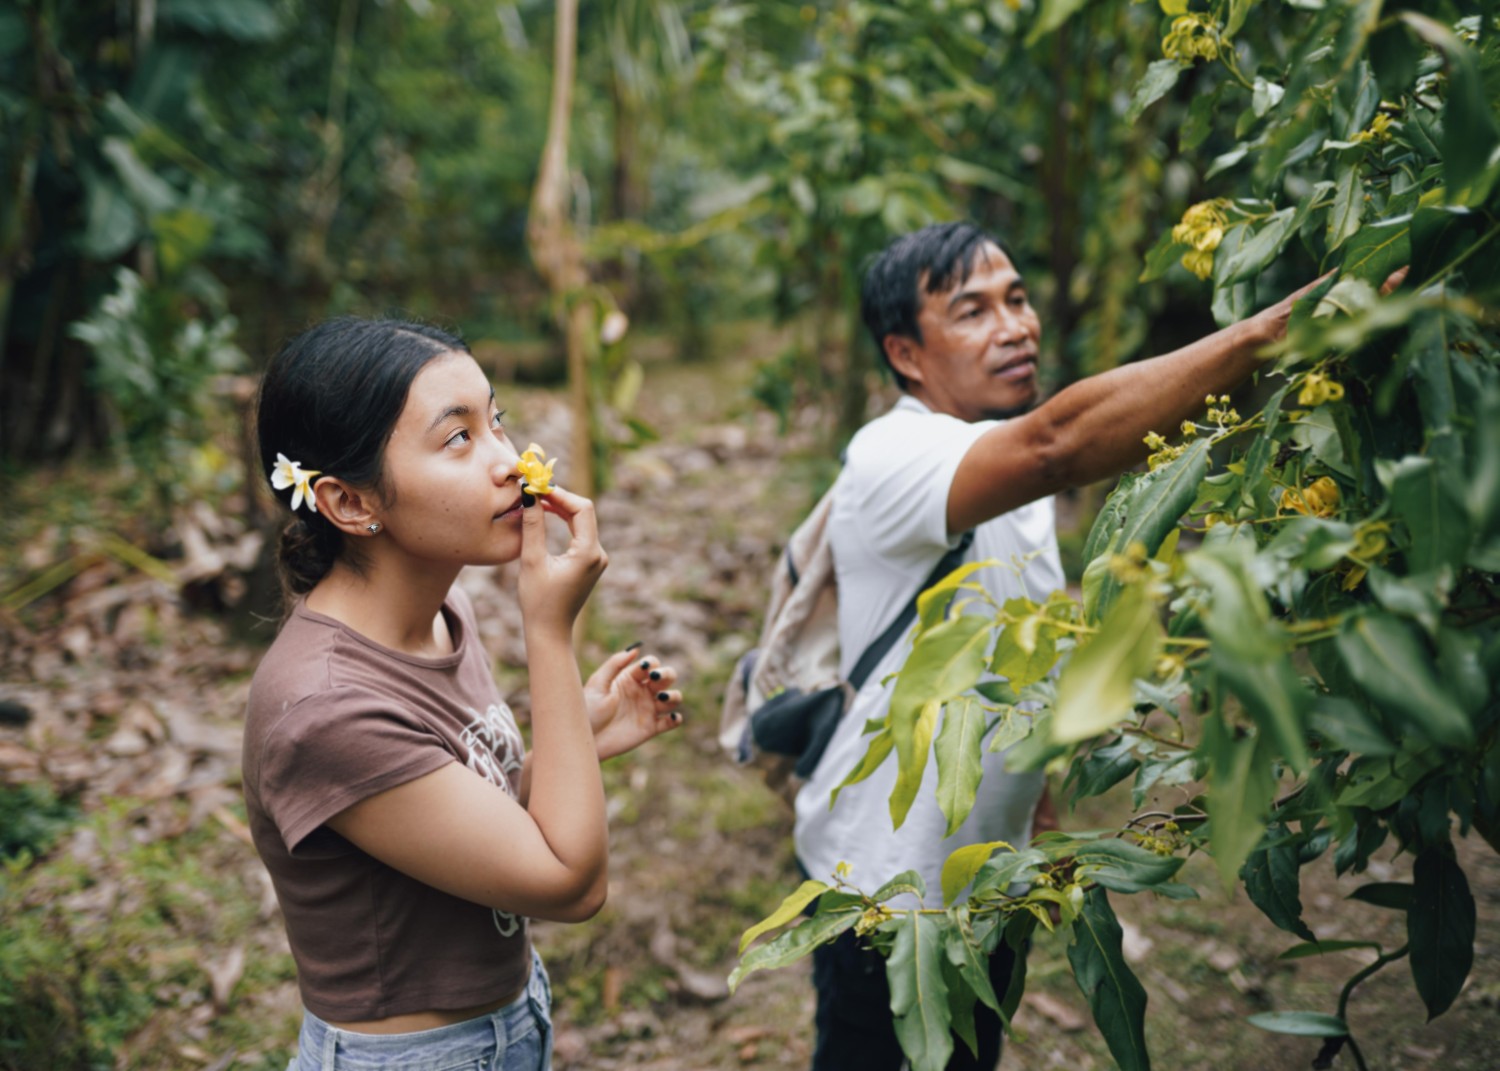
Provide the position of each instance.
(978, 356)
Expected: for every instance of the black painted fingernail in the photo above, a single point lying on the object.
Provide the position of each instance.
(634, 645)
(656, 674)
(645, 663)
(662, 697)
(676, 716)
(527, 500)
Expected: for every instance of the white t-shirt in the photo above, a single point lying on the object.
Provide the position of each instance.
(888, 530)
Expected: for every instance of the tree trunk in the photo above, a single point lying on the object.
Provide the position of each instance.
(555, 249)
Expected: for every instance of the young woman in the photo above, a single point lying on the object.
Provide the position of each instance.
(408, 834)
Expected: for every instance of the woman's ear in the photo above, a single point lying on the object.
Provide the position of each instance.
(346, 508)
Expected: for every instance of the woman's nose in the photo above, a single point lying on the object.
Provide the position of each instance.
(503, 463)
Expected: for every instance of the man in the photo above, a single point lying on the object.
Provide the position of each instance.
(963, 449)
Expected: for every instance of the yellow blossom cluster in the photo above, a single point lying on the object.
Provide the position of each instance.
(1370, 546)
(1130, 566)
(1318, 388)
(1165, 843)
(1220, 411)
(1378, 131)
(1318, 499)
(1202, 228)
(871, 920)
(1192, 37)
(1162, 452)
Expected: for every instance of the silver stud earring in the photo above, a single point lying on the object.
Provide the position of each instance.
(373, 528)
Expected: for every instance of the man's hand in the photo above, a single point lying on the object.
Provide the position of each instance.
(630, 699)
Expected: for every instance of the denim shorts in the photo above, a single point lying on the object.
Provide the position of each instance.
(517, 1037)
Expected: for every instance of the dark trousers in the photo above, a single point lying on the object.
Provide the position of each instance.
(856, 1031)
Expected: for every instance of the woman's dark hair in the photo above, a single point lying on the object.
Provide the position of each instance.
(936, 258)
(329, 401)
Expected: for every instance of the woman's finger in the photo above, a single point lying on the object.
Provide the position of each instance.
(577, 511)
(661, 677)
(612, 667)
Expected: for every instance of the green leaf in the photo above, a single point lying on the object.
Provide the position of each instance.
(1378, 249)
(972, 966)
(909, 775)
(1096, 689)
(1249, 650)
(1238, 11)
(1301, 1024)
(241, 20)
(1014, 726)
(1156, 503)
(1436, 517)
(1241, 787)
(1125, 867)
(933, 603)
(1348, 206)
(1470, 134)
(793, 944)
(790, 908)
(1440, 928)
(958, 751)
(878, 751)
(1389, 663)
(1019, 666)
(1273, 695)
(1008, 868)
(1251, 258)
(1396, 895)
(1103, 768)
(1271, 881)
(946, 661)
(1053, 14)
(919, 992)
(963, 863)
(1114, 993)
(906, 883)
(1160, 259)
(1322, 948)
(1156, 83)
(961, 1000)
(1439, 235)
(964, 173)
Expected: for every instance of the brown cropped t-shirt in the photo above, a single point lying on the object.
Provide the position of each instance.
(333, 719)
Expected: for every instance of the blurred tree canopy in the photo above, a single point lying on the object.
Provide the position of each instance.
(263, 163)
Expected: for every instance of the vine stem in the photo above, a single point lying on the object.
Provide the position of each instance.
(1380, 962)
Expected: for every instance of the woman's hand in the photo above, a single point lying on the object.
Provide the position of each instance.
(554, 587)
(630, 699)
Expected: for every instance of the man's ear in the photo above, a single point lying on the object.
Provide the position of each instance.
(902, 353)
(346, 508)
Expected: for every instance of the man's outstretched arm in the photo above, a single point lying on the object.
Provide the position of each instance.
(1094, 428)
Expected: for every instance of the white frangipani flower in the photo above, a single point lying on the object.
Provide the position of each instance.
(288, 473)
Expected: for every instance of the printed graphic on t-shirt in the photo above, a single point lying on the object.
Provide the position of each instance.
(495, 752)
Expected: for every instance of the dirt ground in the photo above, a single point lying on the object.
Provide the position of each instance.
(131, 697)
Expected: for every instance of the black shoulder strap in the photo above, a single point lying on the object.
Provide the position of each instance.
(887, 639)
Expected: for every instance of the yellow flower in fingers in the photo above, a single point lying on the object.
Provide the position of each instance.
(536, 474)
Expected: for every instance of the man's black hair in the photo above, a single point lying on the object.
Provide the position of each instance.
(936, 258)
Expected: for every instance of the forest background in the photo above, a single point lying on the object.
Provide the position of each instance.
(185, 183)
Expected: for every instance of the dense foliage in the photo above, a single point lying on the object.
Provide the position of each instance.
(1288, 626)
